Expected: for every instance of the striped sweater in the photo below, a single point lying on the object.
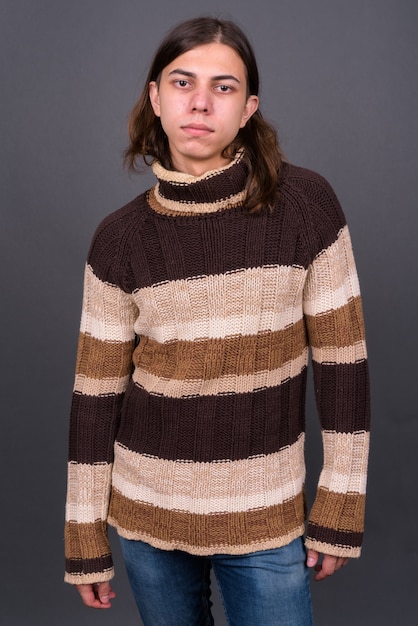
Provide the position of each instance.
(187, 424)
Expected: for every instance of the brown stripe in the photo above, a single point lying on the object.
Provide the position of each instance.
(86, 541)
(171, 207)
(339, 328)
(213, 186)
(94, 423)
(158, 208)
(207, 429)
(338, 510)
(332, 537)
(210, 359)
(349, 411)
(89, 566)
(205, 531)
(103, 359)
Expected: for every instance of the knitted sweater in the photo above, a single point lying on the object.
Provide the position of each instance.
(187, 425)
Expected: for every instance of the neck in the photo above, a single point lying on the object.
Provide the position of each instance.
(216, 190)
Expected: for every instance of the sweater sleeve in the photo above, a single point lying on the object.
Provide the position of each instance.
(334, 321)
(103, 368)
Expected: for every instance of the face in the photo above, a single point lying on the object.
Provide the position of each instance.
(202, 102)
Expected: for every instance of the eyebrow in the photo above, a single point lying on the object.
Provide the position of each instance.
(192, 75)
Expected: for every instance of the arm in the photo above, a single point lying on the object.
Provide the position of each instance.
(103, 368)
(334, 322)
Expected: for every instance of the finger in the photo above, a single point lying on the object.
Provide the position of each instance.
(327, 567)
(90, 596)
(312, 558)
(104, 592)
(341, 561)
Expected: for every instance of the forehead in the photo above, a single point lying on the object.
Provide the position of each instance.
(210, 59)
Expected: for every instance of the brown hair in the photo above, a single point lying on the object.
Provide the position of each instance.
(258, 138)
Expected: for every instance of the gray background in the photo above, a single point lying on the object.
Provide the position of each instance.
(339, 79)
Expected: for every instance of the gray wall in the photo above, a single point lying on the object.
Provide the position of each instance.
(340, 82)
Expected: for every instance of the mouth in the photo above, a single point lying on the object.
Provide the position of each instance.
(197, 130)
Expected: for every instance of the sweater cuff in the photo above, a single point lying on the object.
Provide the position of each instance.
(334, 548)
(88, 556)
(336, 523)
(88, 579)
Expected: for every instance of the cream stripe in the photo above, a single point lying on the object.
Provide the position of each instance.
(345, 462)
(347, 354)
(182, 178)
(199, 207)
(206, 488)
(108, 312)
(244, 302)
(332, 278)
(96, 387)
(88, 492)
(226, 384)
(220, 328)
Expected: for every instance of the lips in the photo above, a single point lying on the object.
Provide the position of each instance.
(197, 130)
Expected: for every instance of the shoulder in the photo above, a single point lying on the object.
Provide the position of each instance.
(314, 200)
(112, 237)
(117, 223)
(309, 185)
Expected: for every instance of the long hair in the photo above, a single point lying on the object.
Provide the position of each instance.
(258, 138)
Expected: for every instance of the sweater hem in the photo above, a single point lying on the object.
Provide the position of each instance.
(242, 548)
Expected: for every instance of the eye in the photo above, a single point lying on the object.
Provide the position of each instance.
(182, 83)
(223, 88)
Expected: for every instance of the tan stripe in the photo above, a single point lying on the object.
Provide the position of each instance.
(88, 492)
(332, 278)
(204, 534)
(206, 488)
(338, 356)
(86, 541)
(212, 358)
(97, 387)
(176, 207)
(245, 302)
(338, 510)
(239, 548)
(345, 462)
(224, 384)
(108, 312)
(103, 359)
(339, 328)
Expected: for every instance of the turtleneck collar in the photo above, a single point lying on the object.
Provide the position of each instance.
(177, 193)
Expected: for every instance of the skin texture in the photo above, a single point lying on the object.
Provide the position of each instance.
(327, 567)
(96, 596)
(202, 101)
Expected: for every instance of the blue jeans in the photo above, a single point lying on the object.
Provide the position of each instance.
(172, 588)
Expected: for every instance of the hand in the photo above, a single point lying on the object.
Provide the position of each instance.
(328, 566)
(96, 596)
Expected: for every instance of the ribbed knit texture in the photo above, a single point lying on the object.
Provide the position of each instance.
(187, 425)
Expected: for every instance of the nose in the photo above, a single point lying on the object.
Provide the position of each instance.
(201, 101)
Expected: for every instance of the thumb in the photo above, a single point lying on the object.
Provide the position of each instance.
(312, 559)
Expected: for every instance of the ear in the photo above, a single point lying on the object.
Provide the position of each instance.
(154, 97)
(250, 108)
